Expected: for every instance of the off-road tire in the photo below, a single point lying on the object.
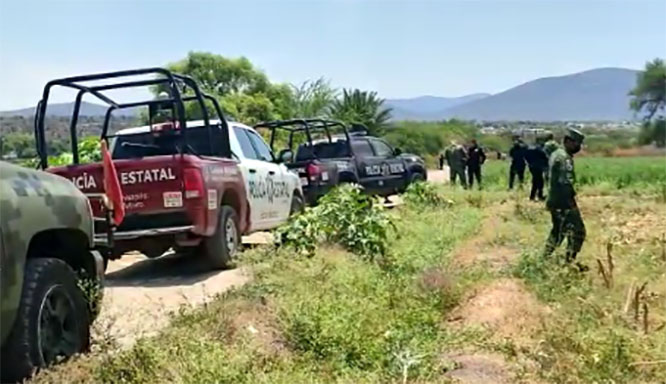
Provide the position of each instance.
(297, 204)
(22, 352)
(416, 177)
(217, 250)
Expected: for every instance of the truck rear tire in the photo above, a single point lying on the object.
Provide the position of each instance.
(52, 321)
(222, 246)
(416, 177)
(297, 204)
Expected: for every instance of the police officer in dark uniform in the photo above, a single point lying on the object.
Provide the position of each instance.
(517, 154)
(566, 217)
(475, 158)
(537, 161)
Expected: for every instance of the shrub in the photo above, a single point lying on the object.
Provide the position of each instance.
(347, 217)
(424, 194)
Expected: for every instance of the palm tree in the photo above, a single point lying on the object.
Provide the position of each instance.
(361, 107)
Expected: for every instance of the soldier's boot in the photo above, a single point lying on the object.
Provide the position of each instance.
(571, 258)
(549, 248)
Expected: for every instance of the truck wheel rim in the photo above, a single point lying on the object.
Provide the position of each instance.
(230, 229)
(58, 327)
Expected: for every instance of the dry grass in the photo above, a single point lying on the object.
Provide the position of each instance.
(479, 368)
(504, 307)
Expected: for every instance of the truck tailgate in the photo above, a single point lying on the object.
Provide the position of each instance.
(150, 186)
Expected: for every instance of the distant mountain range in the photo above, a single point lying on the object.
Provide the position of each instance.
(598, 94)
(66, 109)
(428, 107)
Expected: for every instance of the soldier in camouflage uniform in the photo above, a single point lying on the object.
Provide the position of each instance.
(456, 158)
(561, 202)
(549, 146)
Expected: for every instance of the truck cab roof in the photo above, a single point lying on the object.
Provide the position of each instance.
(190, 124)
(136, 142)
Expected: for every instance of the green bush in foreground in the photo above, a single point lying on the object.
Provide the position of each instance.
(347, 217)
(423, 194)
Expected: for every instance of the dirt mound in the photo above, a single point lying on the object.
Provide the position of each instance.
(258, 324)
(482, 249)
(494, 258)
(504, 307)
(479, 368)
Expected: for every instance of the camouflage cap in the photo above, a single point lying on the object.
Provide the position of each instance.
(575, 135)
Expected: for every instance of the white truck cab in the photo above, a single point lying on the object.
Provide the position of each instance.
(274, 192)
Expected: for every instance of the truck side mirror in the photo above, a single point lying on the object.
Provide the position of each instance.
(397, 151)
(285, 156)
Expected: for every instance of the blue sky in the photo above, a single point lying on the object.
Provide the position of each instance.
(398, 48)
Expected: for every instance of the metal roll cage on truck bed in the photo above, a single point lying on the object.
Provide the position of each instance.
(175, 84)
(317, 174)
(302, 125)
(172, 80)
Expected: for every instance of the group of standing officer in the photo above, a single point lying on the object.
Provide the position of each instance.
(461, 159)
(547, 160)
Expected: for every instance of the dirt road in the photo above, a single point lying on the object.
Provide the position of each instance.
(439, 176)
(141, 293)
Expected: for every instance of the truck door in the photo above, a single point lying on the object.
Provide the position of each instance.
(368, 165)
(393, 170)
(263, 178)
(278, 197)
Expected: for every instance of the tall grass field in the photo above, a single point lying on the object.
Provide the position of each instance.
(602, 172)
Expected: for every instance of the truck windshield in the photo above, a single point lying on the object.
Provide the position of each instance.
(323, 150)
(147, 144)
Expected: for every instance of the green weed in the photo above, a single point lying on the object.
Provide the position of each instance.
(347, 217)
(424, 195)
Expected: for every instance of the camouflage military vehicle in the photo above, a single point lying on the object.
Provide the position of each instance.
(46, 260)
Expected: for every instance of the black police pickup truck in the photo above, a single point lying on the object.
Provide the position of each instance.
(327, 154)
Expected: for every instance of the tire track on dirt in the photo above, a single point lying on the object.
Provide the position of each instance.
(140, 294)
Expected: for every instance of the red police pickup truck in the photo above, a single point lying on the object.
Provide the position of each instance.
(183, 189)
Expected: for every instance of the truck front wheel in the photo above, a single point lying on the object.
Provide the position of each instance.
(222, 246)
(52, 322)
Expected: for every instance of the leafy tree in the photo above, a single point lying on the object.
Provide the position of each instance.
(313, 98)
(363, 107)
(282, 98)
(243, 91)
(221, 75)
(649, 97)
(249, 109)
(21, 144)
(653, 132)
(649, 94)
(429, 138)
(89, 152)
